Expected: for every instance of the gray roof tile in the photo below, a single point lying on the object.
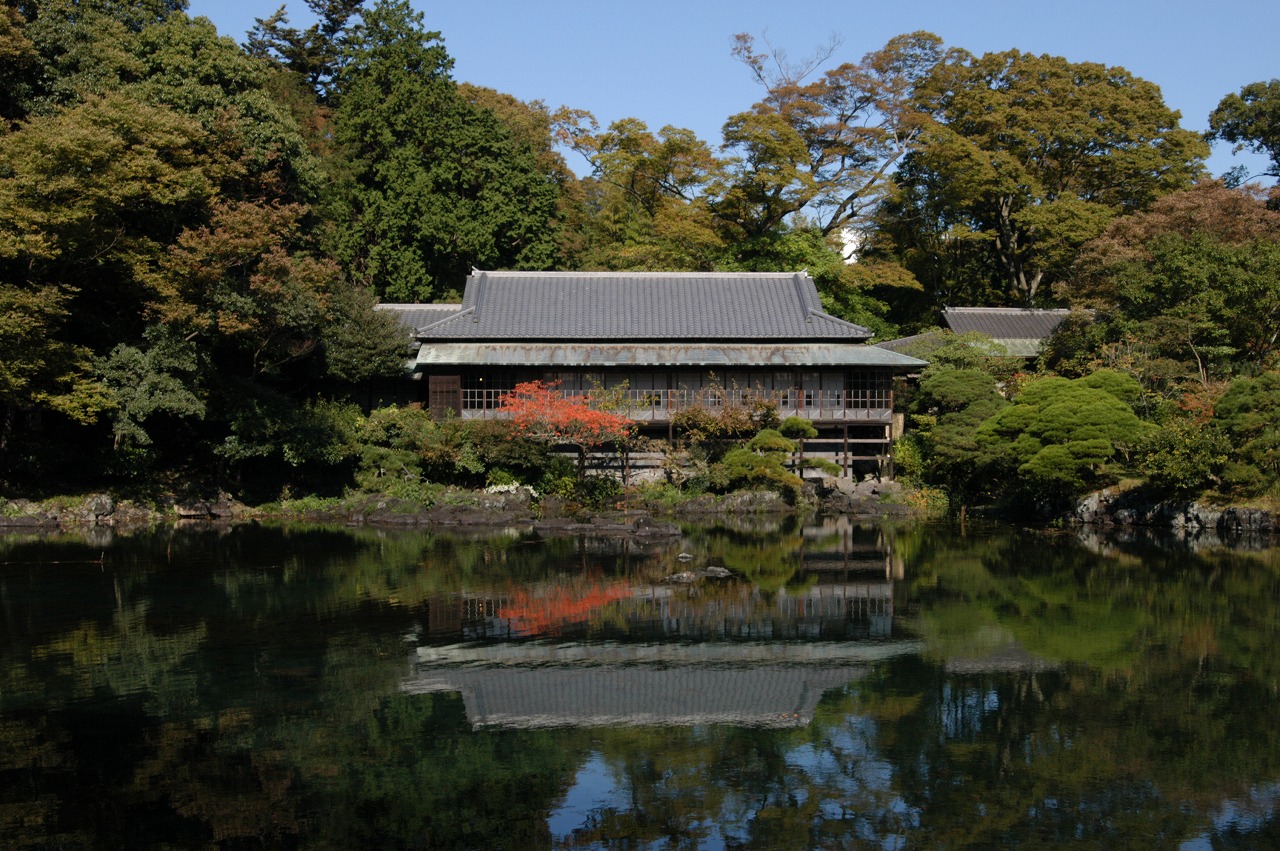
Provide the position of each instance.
(1004, 323)
(642, 306)
(415, 316)
(670, 353)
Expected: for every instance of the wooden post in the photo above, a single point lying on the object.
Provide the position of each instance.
(846, 451)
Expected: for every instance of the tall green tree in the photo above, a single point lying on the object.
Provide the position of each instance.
(1250, 119)
(152, 191)
(18, 59)
(1248, 414)
(70, 48)
(252, 142)
(1031, 156)
(825, 147)
(434, 186)
(956, 402)
(314, 54)
(39, 369)
(89, 198)
(645, 196)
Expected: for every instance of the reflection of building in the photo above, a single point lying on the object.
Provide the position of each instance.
(716, 652)
(601, 649)
(838, 546)
(827, 610)
(539, 684)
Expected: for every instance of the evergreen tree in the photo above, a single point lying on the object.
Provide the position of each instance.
(434, 186)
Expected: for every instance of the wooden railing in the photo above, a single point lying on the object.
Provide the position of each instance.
(658, 406)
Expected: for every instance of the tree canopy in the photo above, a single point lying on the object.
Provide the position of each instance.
(1059, 434)
(1195, 280)
(1251, 119)
(1029, 157)
(432, 185)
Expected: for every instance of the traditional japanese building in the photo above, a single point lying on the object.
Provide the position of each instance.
(662, 342)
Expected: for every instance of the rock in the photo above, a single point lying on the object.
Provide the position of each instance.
(100, 506)
(193, 510)
(1133, 508)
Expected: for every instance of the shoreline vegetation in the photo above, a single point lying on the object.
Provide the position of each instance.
(642, 511)
(646, 512)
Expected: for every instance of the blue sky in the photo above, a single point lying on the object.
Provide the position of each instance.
(668, 62)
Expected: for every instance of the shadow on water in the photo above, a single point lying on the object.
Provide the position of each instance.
(752, 685)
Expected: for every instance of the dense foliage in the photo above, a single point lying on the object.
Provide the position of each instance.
(194, 235)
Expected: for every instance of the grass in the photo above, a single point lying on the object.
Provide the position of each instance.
(926, 500)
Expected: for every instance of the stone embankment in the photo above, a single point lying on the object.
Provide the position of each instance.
(462, 510)
(1131, 508)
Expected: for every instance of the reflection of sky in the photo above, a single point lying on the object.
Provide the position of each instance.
(592, 790)
(596, 789)
(1239, 817)
(963, 709)
(843, 765)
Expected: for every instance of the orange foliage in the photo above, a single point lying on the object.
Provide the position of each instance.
(541, 412)
(1199, 402)
(534, 614)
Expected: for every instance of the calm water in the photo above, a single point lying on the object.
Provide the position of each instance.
(847, 687)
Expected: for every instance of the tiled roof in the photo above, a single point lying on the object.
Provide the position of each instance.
(622, 306)
(415, 316)
(1004, 323)
(902, 345)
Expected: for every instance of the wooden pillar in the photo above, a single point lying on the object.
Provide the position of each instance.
(846, 450)
(889, 452)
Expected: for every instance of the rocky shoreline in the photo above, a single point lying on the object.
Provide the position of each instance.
(472, 510)
(1112, 507)
(481, 511)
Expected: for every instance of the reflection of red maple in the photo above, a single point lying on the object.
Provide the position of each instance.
(548, 613)
(540, 412)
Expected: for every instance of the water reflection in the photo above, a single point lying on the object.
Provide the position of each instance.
(676, 652)
(612, 684)
(845, 686)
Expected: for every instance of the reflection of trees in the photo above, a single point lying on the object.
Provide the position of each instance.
(541, 612)
(240, 688)
(768, 556)
(1142, 700)
(815, 787)
(165, 696)
(1162, 669)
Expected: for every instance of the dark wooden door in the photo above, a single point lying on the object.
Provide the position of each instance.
(444, 393)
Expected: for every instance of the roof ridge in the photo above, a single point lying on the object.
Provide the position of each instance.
(499, 273)
(418, 305)
(1006, 309)
(481, 279)
(806, 307)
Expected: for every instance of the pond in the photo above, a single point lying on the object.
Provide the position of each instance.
(843, 686)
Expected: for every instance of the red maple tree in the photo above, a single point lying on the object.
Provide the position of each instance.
(540, 412)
